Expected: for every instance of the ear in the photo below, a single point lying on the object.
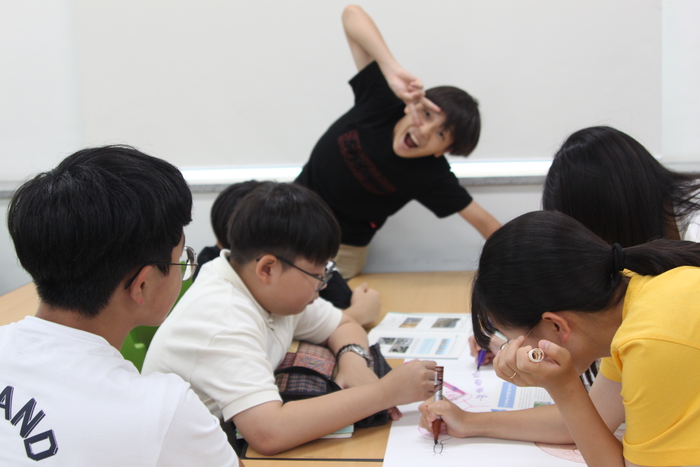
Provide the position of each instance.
(559, 324)
(266, 268)
(136, 289)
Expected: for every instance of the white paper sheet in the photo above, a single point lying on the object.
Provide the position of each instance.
(475, 391)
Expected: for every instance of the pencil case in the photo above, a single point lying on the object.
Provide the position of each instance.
(307, 370)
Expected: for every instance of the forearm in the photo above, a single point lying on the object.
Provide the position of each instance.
(480, 219)
(364, 35)
(267, 427)
(360, 314)
(540, 424)
(598, 445)
(348, 332)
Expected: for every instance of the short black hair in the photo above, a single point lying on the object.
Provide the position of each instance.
(286, 220)
(85, 226)
(224, 205)
(610, 183)
(462, 117)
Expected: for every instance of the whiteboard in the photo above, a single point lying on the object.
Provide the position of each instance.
(255, 83)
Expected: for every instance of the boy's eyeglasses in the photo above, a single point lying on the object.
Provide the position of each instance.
(188, 264)
(327, 274)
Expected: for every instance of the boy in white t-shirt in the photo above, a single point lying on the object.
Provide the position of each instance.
(102, 237)
(234, 325)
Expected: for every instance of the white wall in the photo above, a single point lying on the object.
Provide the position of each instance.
(39, 86)
(257, 82)
(227, 82)
(681, 75)
(413, 239)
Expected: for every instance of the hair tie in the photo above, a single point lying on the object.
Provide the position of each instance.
(618, 257)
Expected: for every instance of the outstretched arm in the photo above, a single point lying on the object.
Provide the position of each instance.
(543, 424)
(367, 45)
(266, 427)
(478, 217)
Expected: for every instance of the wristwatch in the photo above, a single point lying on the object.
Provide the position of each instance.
(355, 348)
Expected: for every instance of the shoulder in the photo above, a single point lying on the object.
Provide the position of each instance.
(661, 307)
(194, 436)
(320, 308)
(317, 321)
(370, 86)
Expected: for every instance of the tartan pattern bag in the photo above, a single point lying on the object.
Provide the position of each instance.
(307, 370)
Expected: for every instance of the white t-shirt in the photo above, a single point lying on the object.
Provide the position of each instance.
(68, 398)
(227, 345)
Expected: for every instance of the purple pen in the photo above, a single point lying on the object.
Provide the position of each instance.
(480, 358)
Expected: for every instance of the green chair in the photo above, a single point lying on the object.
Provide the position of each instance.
(137, 341)
(133, 351)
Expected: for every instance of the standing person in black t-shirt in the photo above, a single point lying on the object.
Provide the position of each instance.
(388, 148)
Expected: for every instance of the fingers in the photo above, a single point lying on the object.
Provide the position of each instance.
(418, 380)
(413, 112)
(424, 409)
(361, 288)
(428, 364)
(513, 364)
(430, 105)
(395, 413)
(505, 362)
(473, 347)
(495, 344)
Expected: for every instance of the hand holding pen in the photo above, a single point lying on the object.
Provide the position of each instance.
(488, 353)
(437, 396)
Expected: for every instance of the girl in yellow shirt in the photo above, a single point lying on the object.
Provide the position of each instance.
(548, 283)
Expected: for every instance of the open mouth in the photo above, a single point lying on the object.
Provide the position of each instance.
(410, 141)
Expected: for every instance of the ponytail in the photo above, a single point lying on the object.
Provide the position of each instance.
(659, 256)
(547, 261)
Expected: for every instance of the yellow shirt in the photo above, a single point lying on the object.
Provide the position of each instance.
(655, 354)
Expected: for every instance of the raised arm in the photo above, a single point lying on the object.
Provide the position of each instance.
(367, 45)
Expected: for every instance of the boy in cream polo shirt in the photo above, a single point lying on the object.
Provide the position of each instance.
(233, 326)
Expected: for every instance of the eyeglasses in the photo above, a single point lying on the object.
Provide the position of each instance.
(188, 264)
(503, 346)
(327, 274)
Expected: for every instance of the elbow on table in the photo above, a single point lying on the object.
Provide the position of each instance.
(267, 444)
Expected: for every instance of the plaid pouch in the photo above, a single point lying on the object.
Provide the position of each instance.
(307, 370)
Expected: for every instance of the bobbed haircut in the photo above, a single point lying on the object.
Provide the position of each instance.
(224, 205)
(102, 213)
(547, 261)
(608, 181)
(462, 118)
(286, 220)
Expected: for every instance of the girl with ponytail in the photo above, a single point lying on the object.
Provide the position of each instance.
(564, 298)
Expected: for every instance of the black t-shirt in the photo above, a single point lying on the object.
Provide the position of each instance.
(355, 170)
(207, 254)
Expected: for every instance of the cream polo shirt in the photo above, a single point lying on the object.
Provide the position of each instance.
(655, 354)
(226, 345)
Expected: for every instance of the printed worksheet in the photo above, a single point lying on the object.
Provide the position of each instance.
(425, 336)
